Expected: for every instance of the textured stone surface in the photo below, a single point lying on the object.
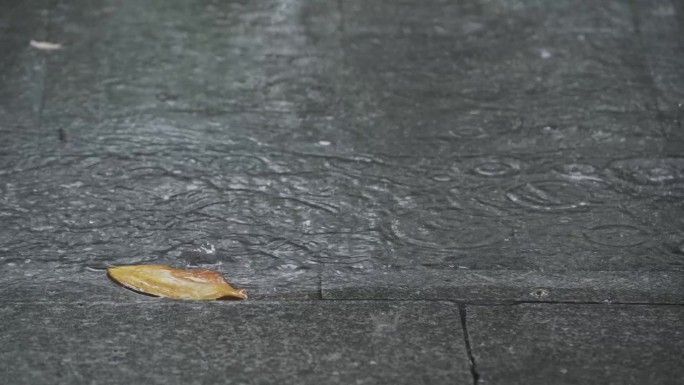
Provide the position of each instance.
(660, 27)
(577, 344)
(505, 285)
(96, 286)
(274, 141)
(478, 151)
(233, 343)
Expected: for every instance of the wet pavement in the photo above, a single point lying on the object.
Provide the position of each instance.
(411, 191)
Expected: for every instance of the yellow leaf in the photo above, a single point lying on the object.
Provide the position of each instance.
(166, 281)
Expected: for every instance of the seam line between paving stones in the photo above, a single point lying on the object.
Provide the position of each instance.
(208, 303)
(597, 303)
(466, 338)
(315, 300)
(500, 303)
(320, 287)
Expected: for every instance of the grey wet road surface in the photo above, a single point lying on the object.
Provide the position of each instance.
(436, 163)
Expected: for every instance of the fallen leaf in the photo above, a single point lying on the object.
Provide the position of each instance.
(46, 46)
(167, 281)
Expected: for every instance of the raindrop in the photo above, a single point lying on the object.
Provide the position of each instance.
(492, 169)
(495, 167)
(288, 267)
(578, 171)
(540, 293)
(660, 175)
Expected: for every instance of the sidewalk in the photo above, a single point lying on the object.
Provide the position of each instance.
(410, 191)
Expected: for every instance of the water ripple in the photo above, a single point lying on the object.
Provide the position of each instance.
(642, 176)
(448, 229)
(492, 167)
(616, 235)
(549, 195)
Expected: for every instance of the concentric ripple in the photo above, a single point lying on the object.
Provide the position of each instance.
(643, 176)
(447, 230)
(549, 195)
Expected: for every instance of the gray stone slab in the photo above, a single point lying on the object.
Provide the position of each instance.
(577, 344)
(660, 29)
(275, 143)
(501, 54)
(504, 285)
(233, 343)
(93, 285)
